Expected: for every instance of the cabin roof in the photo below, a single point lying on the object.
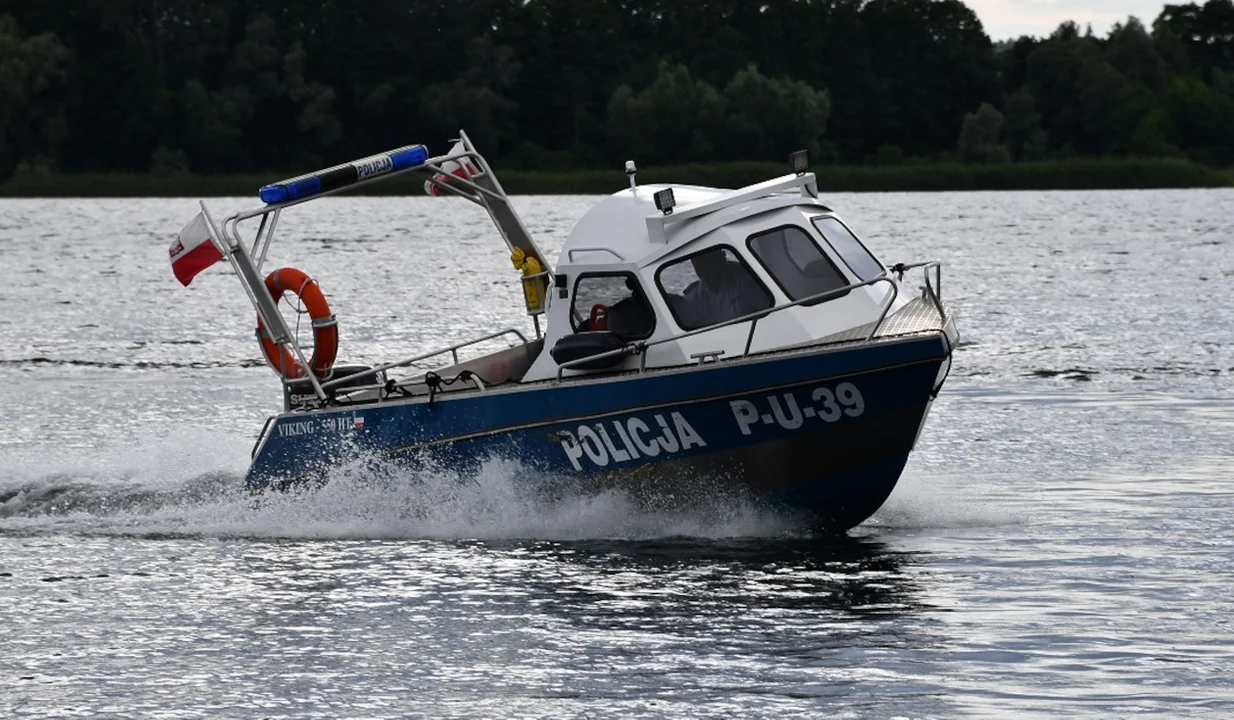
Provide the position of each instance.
(627, 227)
(618, 223)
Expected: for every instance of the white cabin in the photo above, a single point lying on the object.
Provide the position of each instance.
(640, 274)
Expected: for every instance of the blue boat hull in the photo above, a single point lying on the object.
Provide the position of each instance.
(825, 432)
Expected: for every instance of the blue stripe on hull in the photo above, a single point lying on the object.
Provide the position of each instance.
(810, 422)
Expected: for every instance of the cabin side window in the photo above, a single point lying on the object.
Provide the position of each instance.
(849, 248)
(613, 302)
(795, 262)
(711, 287)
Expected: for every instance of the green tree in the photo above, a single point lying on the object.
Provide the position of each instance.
(1151, 136)
(1131, 51)
(1026, 140)
(932, 60)
(1078, 93)
(1223, 82)
(268, 88)
(1102, 94)
(886, 156)
(477, 100)
(674, 119)
(826, 45)
(1012, 61)
(32, 78)
(1207, 33)
(1202, 119)
(1066, 31)
(768, 118)
(212, 125)
(575, 54)
(980, 136)
(1171, 49)
(315, 117)
(227, 85)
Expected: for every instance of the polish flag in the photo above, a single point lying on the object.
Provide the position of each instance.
(193, 251)
(462, 168)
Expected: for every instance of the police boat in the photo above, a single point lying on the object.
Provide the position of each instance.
(690, 343)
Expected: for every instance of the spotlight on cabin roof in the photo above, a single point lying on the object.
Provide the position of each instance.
(799, 161)
(665, 201)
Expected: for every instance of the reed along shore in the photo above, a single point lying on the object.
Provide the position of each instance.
(1101, 174)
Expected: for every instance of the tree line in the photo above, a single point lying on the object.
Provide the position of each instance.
(227, 86)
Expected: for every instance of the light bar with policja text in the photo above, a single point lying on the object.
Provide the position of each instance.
(306, 186)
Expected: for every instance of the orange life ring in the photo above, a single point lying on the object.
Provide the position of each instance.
(325, 327)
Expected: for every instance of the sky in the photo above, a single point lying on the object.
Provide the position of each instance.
(1006, 19)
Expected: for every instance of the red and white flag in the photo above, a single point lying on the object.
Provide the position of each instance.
(194, 250)
(462, 168)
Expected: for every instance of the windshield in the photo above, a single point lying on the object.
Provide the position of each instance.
(849, 248)
(795, 262)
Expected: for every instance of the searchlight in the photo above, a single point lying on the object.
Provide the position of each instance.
(799, 161)
(665, 201)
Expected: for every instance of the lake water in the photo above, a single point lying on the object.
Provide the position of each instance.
(1060, 544)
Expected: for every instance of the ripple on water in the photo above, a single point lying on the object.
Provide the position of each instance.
(1059, 544)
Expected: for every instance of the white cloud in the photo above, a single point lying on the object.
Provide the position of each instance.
(1004, 19)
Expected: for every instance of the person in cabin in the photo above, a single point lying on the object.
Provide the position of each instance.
(724, 290)
(632, 317)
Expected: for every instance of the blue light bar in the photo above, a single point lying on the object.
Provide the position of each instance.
(306, 186)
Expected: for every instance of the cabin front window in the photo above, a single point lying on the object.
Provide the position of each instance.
(711, 287)
(613, 302)
(795, 262)
(850, 249)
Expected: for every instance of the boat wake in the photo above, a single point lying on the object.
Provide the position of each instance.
(192, 486)
(933, 502)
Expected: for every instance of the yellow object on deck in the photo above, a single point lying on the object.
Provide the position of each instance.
(535, 281)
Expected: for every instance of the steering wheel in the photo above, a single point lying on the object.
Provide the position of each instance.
(599, 317)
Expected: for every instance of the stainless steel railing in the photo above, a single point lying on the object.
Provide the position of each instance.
(935, 288)
(453, 350)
